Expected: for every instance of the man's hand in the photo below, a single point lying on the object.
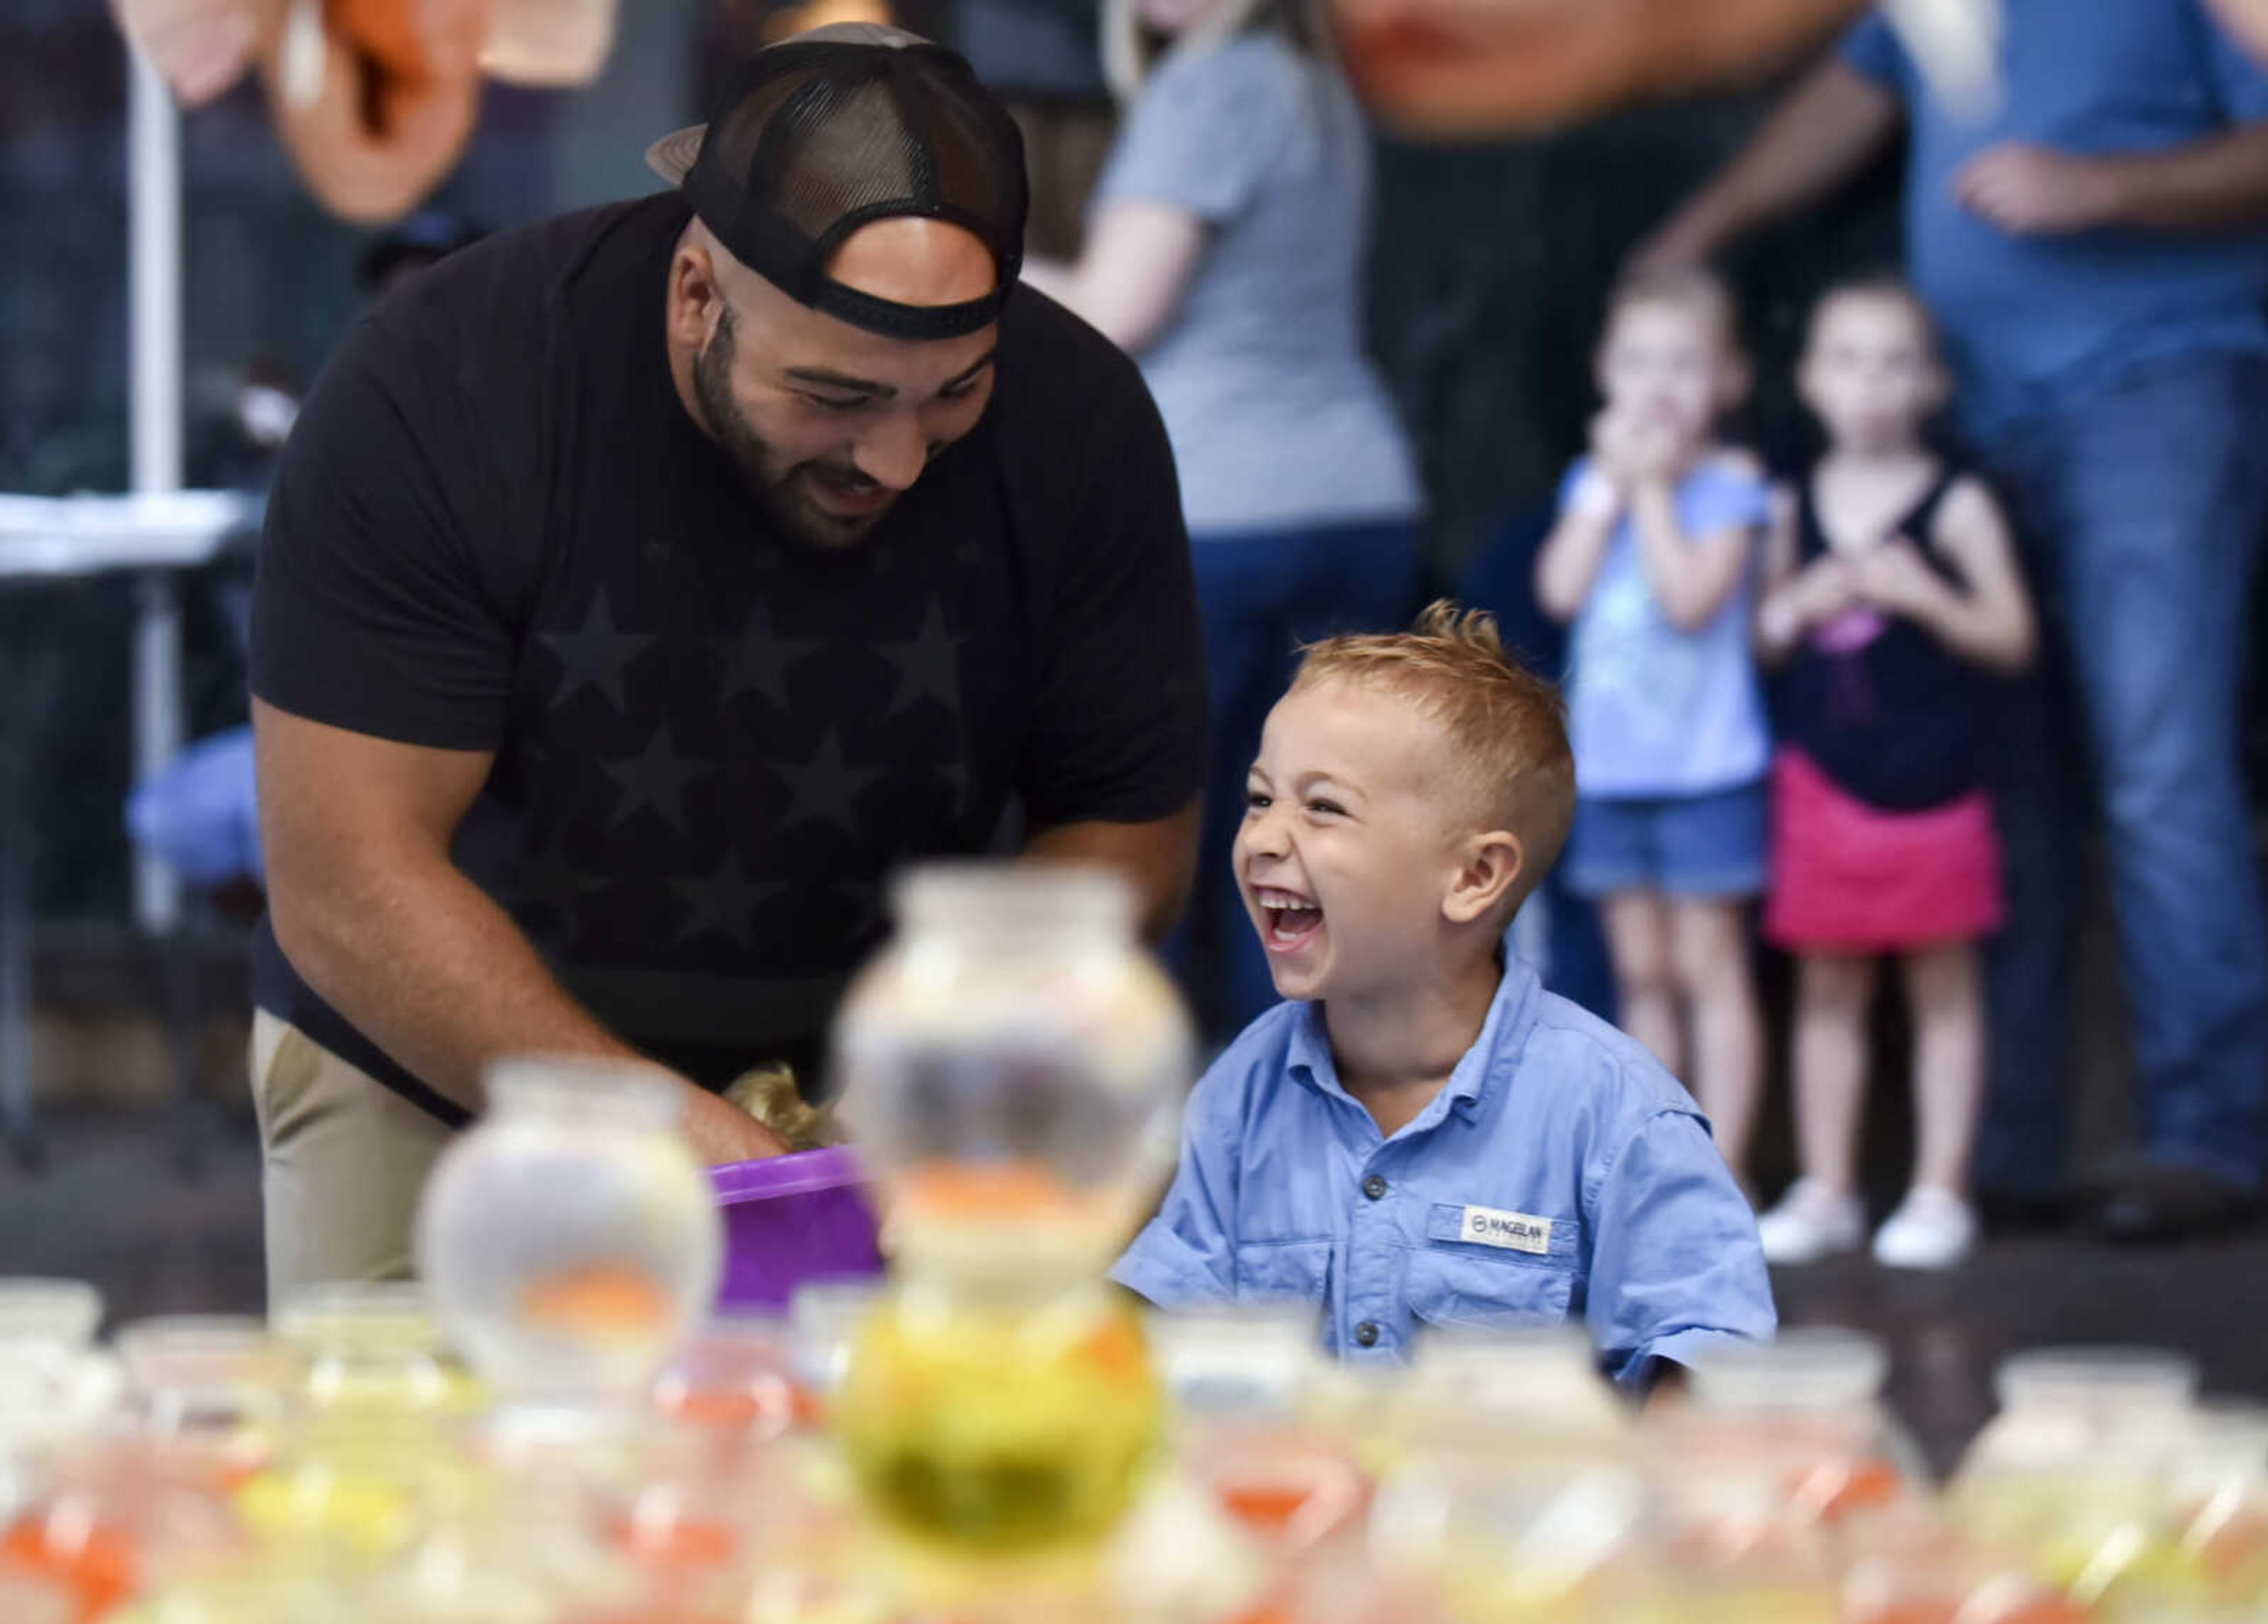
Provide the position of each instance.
(2036, 191)
(721, 1133)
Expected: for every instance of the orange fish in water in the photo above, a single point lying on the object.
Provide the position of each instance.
(96, 1564)
(606, 1302)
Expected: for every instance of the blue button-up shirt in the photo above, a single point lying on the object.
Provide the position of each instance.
(1559, 1172)
(2029, 320)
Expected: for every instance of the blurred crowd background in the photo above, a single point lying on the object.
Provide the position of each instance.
(1486, 265)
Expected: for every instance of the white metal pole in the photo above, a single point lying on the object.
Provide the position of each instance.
(154, 216)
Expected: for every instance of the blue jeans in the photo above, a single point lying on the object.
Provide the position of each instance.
(2141, 508)
(1262, 593)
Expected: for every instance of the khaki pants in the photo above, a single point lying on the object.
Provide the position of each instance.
(344, 1160)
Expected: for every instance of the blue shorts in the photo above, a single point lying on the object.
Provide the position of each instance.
(1700, 846)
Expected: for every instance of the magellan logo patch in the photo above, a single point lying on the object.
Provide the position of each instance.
(1514, 1232)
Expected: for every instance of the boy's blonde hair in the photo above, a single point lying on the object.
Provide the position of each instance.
(1688, 287)
(1506, 726)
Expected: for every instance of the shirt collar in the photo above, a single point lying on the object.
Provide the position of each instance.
(1510, 1014)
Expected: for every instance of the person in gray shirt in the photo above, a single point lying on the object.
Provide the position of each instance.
(1225, 251)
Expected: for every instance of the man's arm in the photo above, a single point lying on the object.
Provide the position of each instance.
(2219, 184)
(1824, 134)
(1161, 858)
(370, 911)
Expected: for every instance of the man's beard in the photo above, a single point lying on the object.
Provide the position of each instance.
(781, 490)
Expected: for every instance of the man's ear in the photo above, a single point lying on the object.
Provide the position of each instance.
(695, 295)
(1493, 865)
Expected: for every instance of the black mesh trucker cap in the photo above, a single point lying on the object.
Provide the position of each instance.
(821, 133)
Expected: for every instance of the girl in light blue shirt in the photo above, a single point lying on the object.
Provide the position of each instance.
(1655, 559)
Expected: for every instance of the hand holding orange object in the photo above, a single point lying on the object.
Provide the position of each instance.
(201, 47)
(393, 103)
(1464, 68)
(374, 99)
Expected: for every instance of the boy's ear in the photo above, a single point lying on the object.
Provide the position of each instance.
(1493, 865)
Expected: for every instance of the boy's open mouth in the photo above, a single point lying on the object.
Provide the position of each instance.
(1288, 921)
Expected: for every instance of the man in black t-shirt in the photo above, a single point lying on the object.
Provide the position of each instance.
(642, 588)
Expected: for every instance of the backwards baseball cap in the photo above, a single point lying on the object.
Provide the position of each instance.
(832, 129)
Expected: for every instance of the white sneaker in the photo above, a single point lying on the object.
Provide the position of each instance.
(1932, 1228)
(1811, 1223)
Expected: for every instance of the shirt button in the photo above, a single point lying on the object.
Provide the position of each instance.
(1373, 1186)
(1366, 1334)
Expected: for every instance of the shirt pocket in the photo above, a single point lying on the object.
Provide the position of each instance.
(1281, 1270)
(1456, 1283)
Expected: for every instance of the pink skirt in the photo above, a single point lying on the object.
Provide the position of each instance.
(1847, 878)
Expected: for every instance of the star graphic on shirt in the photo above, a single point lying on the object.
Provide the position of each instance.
(757, 657)
(594, 656)
(928, 665)
(724, 902)
(549, 880)
(826, 789)
(656, 779)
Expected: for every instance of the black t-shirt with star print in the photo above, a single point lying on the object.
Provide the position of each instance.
(497, 529)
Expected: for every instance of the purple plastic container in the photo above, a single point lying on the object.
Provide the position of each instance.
(791, 1219)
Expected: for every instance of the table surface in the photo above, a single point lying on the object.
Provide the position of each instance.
(50, 537)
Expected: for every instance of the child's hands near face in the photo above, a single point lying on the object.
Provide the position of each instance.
(1829, 587)
(1611, 436)
(1658, 449)
(1893, 578)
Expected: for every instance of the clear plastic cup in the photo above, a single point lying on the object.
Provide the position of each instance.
(112, 1510)
(1243, 1361)
(34, 1310)
(2076, 1473)
(739, 1378)
(214, 1385)
(373, 1347)
(2102, 1382)
(1536, 1382)
(1808, 1407)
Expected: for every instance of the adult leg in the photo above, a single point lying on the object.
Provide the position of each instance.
(1834, 995)
(1710, 962)
(1638, 943)
(1945, 996)
(2033, 769)
(344, 1160)
(2168, 495)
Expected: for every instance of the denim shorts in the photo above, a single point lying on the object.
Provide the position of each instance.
(1702, 846)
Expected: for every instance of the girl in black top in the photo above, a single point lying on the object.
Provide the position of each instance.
(1891, 582)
